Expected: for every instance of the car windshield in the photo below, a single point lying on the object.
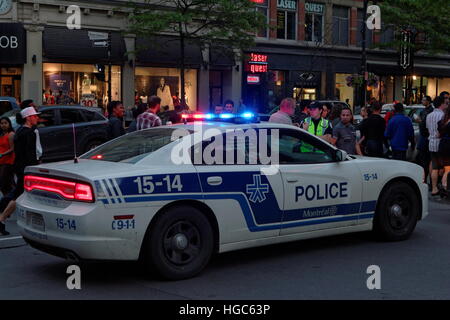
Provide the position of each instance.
(132, 147)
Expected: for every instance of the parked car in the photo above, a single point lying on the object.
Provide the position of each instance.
(8, 108)
(57, 132)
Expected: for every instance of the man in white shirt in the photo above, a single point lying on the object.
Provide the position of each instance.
(440, 103)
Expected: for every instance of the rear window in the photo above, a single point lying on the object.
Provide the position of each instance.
(5, 106)
(132, 147)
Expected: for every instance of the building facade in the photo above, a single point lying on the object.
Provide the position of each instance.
(311, 52)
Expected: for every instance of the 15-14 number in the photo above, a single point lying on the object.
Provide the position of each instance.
(147, 185)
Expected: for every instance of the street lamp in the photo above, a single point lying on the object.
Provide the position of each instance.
(364, 56)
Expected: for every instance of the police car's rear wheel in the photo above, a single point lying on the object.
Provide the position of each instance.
(397, 212)
(180, 243)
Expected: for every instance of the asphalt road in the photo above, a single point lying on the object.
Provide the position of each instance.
(326, 268)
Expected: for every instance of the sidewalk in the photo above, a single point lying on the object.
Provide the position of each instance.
(14, 239)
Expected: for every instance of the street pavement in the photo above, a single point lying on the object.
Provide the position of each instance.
(325, 268)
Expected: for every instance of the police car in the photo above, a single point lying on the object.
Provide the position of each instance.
(173, 196)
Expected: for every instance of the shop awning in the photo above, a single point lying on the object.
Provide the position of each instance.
(220, 58)
(164, 51)
(64, 45)
(418, 70)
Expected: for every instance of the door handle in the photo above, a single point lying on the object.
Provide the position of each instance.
(291, 179)
(214, 181)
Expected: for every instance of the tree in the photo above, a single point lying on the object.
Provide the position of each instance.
(427, 20)
(229, 25)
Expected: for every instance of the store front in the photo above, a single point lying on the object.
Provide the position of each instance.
(158, 71)
(84, 84)
(166, 84)
(76, 71)
(12, 57)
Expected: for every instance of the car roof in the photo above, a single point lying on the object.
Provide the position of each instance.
(223, 126)
(70, 107)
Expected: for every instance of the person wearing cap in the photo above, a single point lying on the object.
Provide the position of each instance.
(25, 146)
(317, 125)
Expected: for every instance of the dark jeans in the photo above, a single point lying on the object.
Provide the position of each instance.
(374, 148)
(6, 178)
(399, 155)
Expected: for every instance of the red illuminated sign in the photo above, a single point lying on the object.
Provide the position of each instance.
(257, 63)
(258, 58)
(253, 79)
(258, 68)
(257, 1)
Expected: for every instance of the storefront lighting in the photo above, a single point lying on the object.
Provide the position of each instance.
(414, 78)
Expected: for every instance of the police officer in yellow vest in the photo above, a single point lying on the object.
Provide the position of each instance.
(316, 125)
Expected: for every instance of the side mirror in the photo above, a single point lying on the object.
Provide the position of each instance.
(340, 155)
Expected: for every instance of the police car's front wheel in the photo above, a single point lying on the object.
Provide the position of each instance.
(397, 212)
(180, 243)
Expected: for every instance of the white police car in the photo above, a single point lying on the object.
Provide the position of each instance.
(173, 196)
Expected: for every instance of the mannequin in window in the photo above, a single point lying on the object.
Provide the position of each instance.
(163, 92)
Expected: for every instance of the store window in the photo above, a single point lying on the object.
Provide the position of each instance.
(287, 19)
(10, 82)
(166, 84)
(83, 84)
(262, 6)
(343, 91)
(314, 21)
(340, 26)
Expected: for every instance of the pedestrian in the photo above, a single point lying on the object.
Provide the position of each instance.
(326, 111)
(7, 208)
(283, 116)
(317, 125)
(149, 119)
(6, 155)
(228, 106)
(218, 109)
(444, 147)
(116, 111)
(364, 113)
(423, 153)
(141, 108)
(344, 134)
(440, 104)
(372, 132)
(25, 149)
(399, 131)
(335, 114)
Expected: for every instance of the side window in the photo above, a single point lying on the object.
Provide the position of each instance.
(46, 119)
(92, 116)
(299, 148)
(69, 116)
(5, 106)
(224, 150)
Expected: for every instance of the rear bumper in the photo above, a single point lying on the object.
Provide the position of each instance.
(85, 232)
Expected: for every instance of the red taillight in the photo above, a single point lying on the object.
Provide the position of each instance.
(67, 189)
(184, 116)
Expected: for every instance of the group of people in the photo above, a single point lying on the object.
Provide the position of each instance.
(18, 149)
(334, 126)
(375, 133)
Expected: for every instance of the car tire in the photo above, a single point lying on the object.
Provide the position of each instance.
(397, 212)
(180, 243)
(91, 145)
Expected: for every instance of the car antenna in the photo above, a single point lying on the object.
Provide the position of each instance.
(75, 159)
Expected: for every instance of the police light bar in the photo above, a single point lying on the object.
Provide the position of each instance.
(243, 117)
